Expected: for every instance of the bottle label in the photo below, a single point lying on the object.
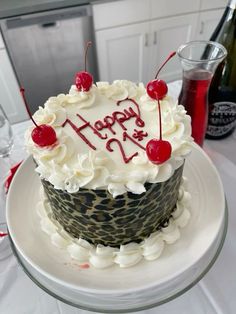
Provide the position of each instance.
(222, 119)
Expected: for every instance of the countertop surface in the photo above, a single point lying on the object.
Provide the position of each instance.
(10, 8)
(214, 294)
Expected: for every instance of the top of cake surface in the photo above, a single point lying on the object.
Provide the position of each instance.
(102, 136)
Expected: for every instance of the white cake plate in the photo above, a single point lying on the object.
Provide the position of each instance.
(116, 290)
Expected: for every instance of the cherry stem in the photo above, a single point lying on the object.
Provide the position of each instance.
(159, 112)
(89, 44)
(169, 57)
(22, 91)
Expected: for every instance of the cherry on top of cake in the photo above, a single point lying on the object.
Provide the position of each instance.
(83, 79)
(43, 135)
(158, 150)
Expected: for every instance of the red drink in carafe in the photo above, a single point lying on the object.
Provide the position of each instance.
(194, 97)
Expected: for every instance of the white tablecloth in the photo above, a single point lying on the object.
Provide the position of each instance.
(215, 293)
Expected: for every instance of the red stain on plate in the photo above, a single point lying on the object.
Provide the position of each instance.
(3, 234)
(11, 175)
(84, 266)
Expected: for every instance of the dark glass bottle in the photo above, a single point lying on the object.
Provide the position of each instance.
(222, 92)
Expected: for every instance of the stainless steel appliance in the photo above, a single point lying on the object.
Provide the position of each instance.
(47, 49)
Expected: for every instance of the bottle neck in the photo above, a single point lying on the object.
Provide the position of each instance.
(232, 4)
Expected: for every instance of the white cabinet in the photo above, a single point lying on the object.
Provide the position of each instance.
(135, 51)
(165, 8)
(10, 97)
(168, 35)
(207, 23)
(133, 37)
(117, 13)
(123, 52)
(213, 4)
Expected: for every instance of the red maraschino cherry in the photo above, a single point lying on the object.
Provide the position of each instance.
(157, 89)
(43, 135)
(83, 79)
(158, 151)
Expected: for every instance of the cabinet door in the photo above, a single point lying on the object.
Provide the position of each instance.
(108, 14)
(168, 34)
(10, 97)
(207, 23)
(213, 4)
(164, 8)
(123, 52)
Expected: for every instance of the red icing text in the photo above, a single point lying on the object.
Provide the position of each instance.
(108, 123)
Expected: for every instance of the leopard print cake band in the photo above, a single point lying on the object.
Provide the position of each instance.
(97, 217)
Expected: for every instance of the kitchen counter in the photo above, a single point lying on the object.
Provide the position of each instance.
(15, 7)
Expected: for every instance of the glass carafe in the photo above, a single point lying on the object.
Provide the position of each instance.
(199, 60)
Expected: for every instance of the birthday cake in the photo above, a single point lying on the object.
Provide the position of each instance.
(110, 158)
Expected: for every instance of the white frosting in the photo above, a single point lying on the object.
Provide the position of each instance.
(127, 255)
(71, 163)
